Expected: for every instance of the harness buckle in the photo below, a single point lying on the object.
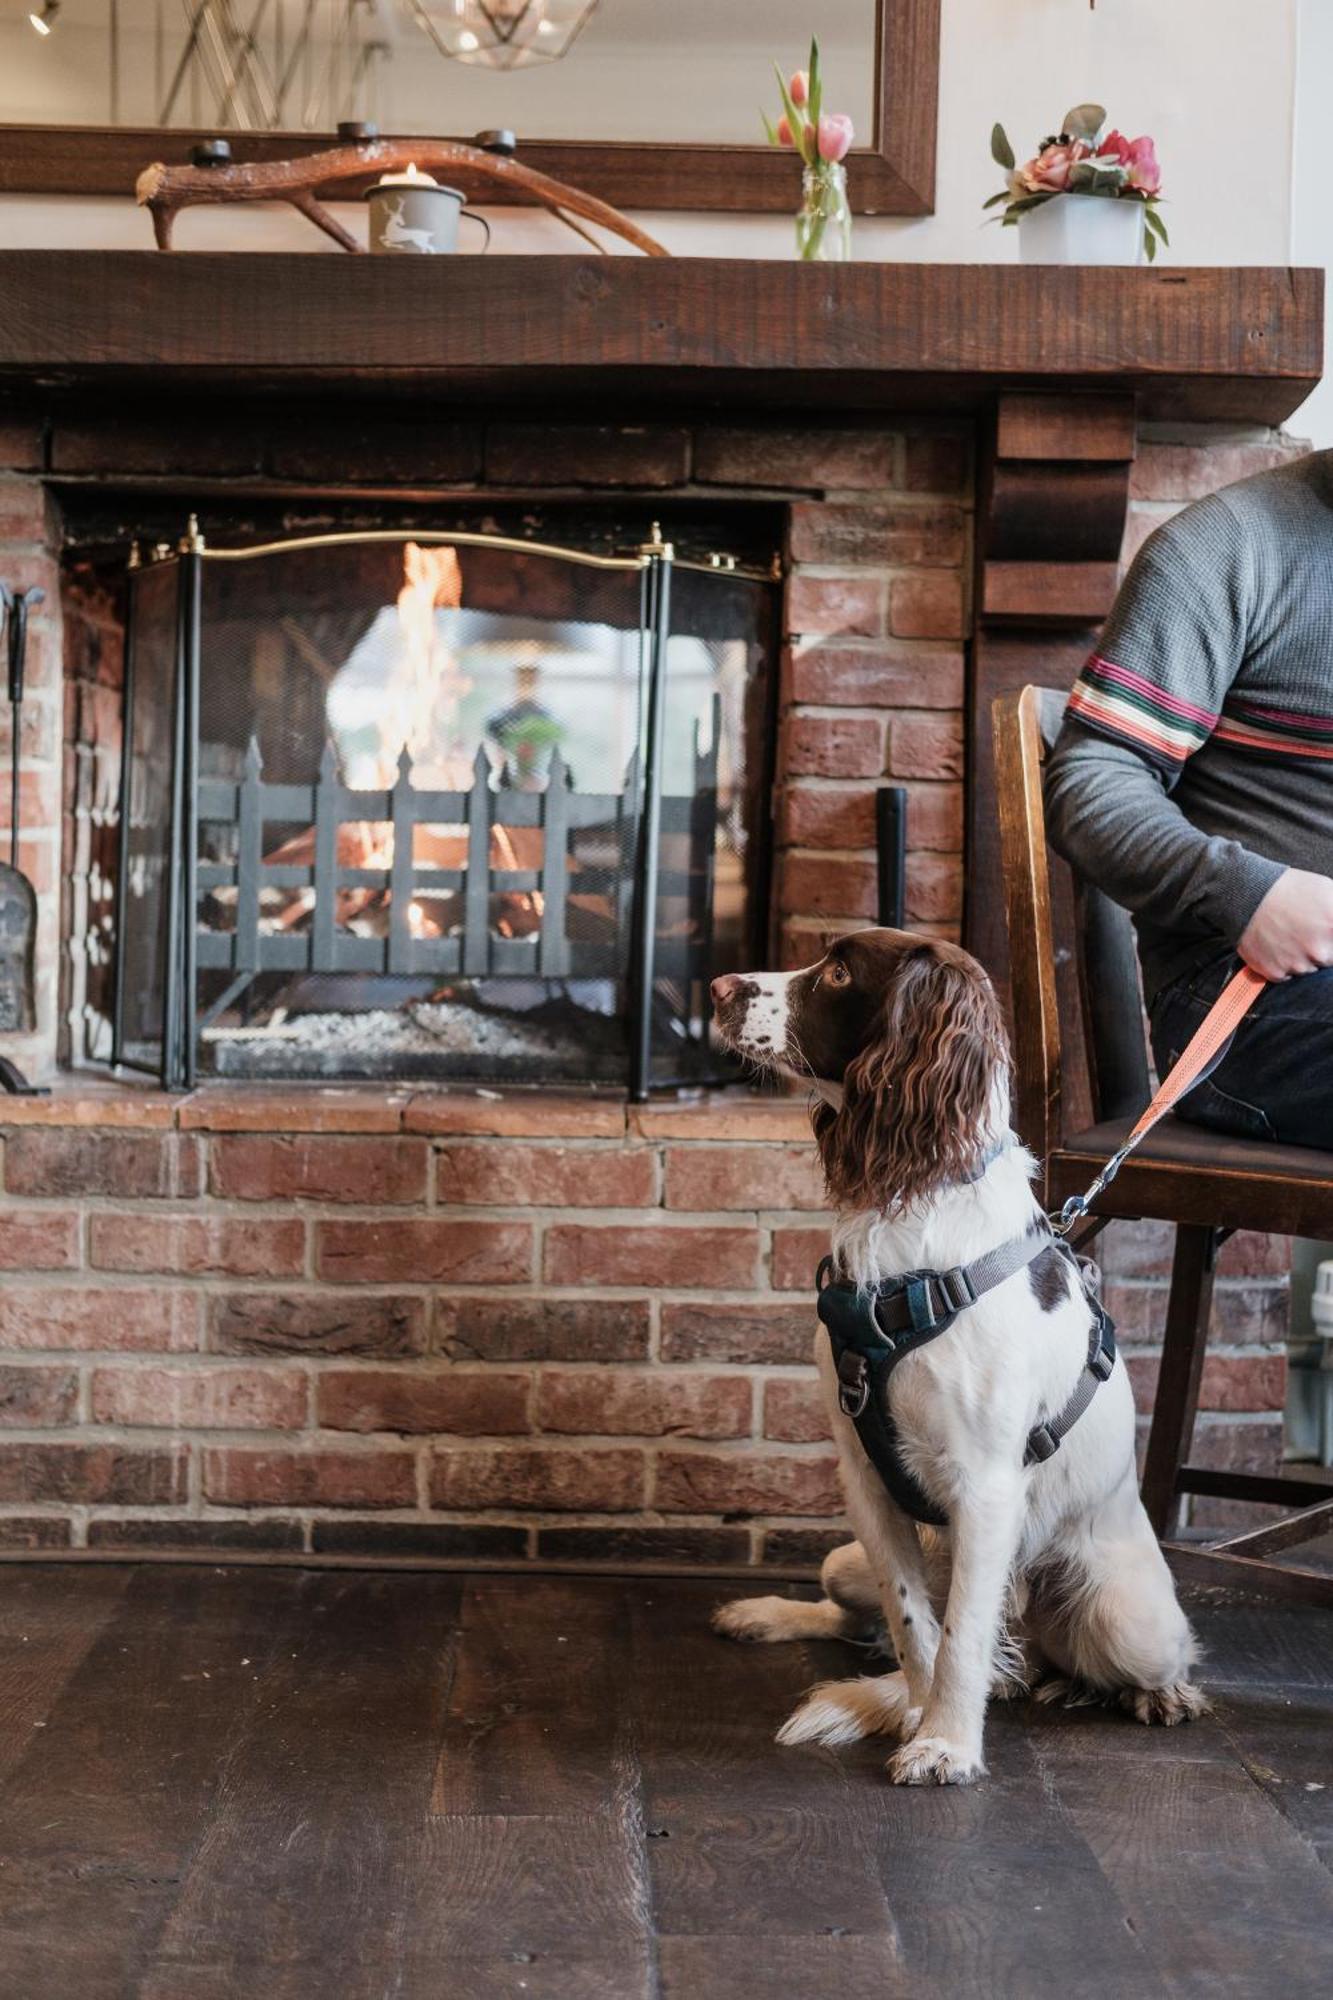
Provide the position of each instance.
(1102, 1363)
(1042, 1444)
(957, 1288)
(853, 1383)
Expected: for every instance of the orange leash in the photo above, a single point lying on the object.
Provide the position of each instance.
(1200, 1054)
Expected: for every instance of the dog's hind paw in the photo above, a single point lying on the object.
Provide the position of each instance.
(1181, 1702)
(841, 1712)
(757, 1619)
(931, 1760)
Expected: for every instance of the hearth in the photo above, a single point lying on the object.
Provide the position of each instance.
(440, 805)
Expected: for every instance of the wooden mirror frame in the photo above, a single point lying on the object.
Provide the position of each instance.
(893, 176)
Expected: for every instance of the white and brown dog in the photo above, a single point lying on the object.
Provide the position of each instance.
(1044, 1570)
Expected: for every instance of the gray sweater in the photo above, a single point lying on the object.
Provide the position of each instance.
(1196, 759)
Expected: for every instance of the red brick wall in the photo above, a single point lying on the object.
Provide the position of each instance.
(872, 689)
(524, 1327)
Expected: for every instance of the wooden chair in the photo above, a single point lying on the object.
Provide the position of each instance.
(1079, 1046)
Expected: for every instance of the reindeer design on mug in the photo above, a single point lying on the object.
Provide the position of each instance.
(396, 234)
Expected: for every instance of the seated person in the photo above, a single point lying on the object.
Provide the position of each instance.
(1193, 782)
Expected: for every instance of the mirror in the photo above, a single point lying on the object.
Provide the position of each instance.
(694, 72)
(630, 99)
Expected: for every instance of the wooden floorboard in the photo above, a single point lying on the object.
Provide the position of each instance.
(318, 1836)
(279, 1785)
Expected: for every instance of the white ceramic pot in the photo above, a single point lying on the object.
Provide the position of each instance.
(1082, 229)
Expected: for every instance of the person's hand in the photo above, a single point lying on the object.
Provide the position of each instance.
(1292, 929)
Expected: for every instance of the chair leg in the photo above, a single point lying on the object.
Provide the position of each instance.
(1188, 1311)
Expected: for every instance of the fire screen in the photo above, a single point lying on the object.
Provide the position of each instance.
(440, 806)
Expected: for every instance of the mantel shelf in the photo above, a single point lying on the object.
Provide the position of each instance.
(1236, 344)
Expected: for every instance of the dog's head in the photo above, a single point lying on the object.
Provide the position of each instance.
(903, 1038)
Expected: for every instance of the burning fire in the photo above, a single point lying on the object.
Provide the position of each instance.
(420, 713)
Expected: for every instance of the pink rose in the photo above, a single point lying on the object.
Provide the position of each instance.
(1049, 172)
(798, 89)
(784, 132)
(835, 136)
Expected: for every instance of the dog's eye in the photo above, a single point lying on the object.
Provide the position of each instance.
(838, 975)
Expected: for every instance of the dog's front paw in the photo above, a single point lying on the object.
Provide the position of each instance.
(933, 1760)
(845, 1711)
(757, 1619)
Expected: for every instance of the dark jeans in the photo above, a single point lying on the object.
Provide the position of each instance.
(1276, 1080)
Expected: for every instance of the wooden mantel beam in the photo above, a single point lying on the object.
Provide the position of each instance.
(1189, 343)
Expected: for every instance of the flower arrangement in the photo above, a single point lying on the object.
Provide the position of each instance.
(822, 139)
(1082, 159)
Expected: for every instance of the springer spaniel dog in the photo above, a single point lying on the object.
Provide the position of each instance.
(1046, 1573)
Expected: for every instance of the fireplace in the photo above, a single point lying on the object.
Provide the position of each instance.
(440, 804)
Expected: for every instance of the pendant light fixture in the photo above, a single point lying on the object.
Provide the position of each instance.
(44, 18)
(504, 34)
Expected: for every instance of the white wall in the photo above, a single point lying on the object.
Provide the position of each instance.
(1214, 81)
(1312, 211)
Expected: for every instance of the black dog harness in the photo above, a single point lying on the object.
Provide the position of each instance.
(872, 1331)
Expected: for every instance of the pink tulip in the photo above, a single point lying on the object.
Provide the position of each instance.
(799, 87)
(1144, 172)
(784, 132)
(1139, 159)
(835, 136)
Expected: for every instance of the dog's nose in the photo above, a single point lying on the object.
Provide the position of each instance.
(726, 988)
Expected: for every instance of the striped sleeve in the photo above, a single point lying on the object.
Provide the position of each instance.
(1174, 641)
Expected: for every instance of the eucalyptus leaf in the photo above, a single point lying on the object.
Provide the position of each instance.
(1154, 224)
(1150, 248)
(1085, 121)
(1000, 150)
(996, 199)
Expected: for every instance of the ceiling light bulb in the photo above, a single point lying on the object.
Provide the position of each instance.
(44, 20)
(467, 40)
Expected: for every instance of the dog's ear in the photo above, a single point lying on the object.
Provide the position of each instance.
(918, 1101)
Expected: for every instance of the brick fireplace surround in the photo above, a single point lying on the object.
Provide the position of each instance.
(373, 1322)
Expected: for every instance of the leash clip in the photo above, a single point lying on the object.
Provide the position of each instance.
(1071, 1211)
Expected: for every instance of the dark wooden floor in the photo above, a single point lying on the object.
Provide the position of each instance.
(333, 1786)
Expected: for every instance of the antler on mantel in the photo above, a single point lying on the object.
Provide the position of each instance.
(164, 190)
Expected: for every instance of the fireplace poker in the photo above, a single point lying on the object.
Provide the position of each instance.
(15, 604)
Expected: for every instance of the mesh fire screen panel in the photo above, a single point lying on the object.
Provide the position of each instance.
(429, 789)
(146, 816)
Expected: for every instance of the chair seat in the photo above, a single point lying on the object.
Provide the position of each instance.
(1185, 1173)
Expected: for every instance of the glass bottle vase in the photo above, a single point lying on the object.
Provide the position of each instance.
(824, 221)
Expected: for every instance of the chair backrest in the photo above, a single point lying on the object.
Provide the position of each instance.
(1076, 1000)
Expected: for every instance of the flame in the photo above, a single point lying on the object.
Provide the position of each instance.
(422, 697)
(420, 713)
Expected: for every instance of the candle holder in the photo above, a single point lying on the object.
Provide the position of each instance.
(412, 214)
